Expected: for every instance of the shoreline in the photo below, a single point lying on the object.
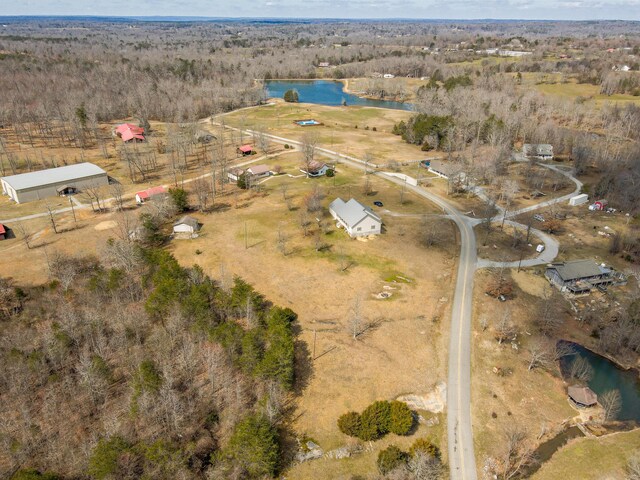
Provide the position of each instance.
(346, 87)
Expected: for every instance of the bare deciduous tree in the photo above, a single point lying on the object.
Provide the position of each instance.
(611, 402)
(309, 145)
(580, 369)
(517, 453)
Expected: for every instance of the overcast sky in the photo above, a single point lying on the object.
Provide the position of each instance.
(463, 9)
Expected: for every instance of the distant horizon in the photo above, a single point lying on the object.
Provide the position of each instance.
(293, 18)
(363, 10)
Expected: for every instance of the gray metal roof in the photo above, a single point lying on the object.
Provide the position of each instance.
(187, 220)
(577, 269)
(69, 173)
(352, 212)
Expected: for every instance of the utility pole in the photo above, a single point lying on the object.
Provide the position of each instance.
(73, 211)
(315, 334)
(520, 261)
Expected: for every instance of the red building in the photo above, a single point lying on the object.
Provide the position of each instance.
(129, 132)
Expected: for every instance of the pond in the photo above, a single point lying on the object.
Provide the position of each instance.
(327, 92)
(609, 376)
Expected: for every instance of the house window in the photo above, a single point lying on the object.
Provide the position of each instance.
(359, 228)
(373, 227)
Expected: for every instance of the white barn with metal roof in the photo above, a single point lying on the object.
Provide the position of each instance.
(27, 187)
(356, 219)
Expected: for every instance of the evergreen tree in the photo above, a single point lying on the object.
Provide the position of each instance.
(254, 447)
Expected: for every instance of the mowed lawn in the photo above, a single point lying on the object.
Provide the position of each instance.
(355, 131)
(592, 458)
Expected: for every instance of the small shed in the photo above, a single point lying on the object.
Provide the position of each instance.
(146, 195)
(186, 224)
(245, 150)
(582, 396)
(579, 199)
(3, 232)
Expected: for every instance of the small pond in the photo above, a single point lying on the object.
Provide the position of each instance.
(609, 376)
(326, 92)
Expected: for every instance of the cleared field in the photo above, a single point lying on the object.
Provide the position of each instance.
(558, 85)
(400, 351)
(348, 130)
(592, 458)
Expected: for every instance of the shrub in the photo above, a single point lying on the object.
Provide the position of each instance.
(375, 420)
(330, 172)
(401, 418)
(424, 445)
(390, 458)
(350, 424)
(286, 146)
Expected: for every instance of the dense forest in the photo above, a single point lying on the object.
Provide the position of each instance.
(142, 368)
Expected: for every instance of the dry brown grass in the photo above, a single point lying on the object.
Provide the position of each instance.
(498, 244)
(532, 400)
(402, 352)
(338, 131)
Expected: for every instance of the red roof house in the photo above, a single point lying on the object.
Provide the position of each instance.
(245, 149)
(145, 195)
(2, 232)
(128, 132)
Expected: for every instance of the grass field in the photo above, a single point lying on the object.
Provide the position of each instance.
(592, 458)
(558, 85)
(403, 350)
(348, 130)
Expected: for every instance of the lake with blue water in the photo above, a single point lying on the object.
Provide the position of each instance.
(327, 92)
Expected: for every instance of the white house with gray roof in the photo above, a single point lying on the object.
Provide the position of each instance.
(542, 151)
(27, 187)
(355, 218)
